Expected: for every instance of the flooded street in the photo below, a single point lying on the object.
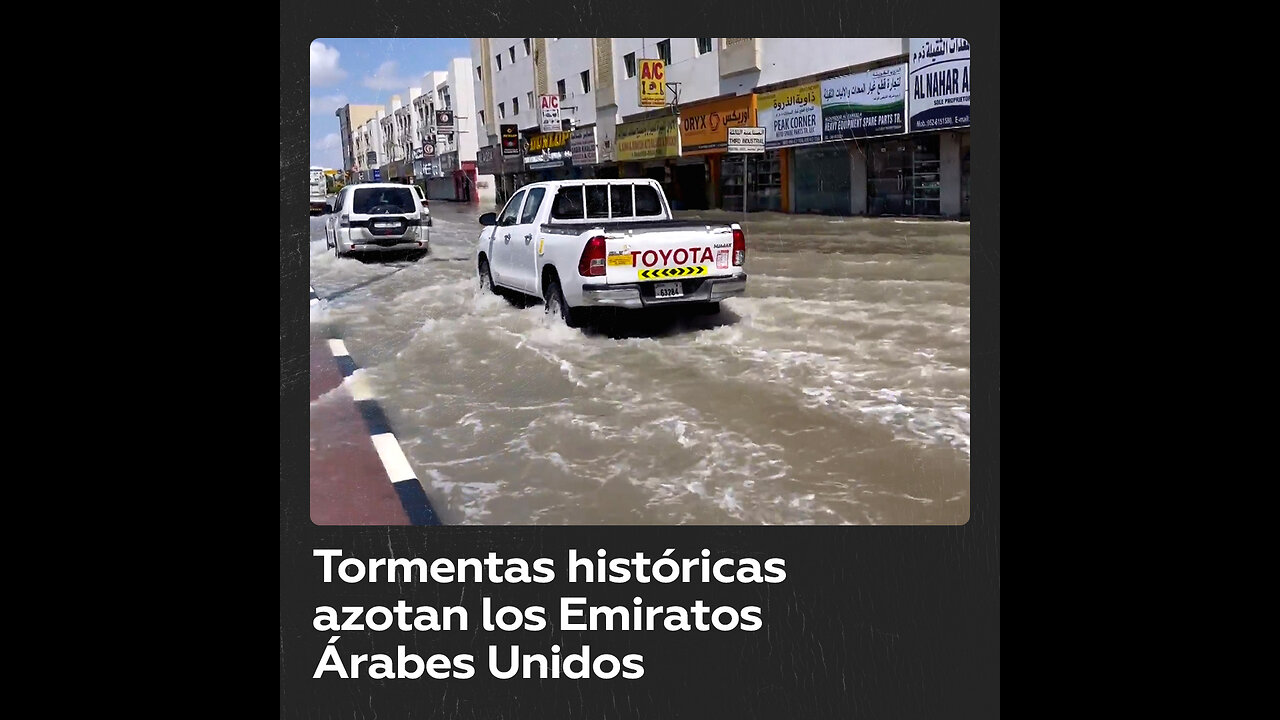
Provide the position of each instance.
(835, 392)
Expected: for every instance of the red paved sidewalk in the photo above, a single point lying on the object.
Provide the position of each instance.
(349, 485)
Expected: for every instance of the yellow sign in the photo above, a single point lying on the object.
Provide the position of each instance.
(782, 99)
(546, 141)
(620, 260)
(648, 139)
(671, 272)
(653, 83)
(704, 127)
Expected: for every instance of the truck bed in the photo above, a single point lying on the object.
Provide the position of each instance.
(611, 226)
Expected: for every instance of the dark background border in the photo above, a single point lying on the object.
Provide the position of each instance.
(872, 621)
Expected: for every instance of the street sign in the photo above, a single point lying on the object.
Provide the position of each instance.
(550, 113)
(746, 139)
(444, 121)
(377, 175)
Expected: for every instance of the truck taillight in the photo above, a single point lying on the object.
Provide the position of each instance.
(345, 221)
(592, 261)
(739, 247)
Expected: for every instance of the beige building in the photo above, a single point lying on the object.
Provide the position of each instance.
(351, 117)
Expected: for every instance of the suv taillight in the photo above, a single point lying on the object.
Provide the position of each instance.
(739, 247)
(344, 220)
(592, 261)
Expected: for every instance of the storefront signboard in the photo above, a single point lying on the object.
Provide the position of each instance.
(939, 82)
(792, 116)
(865, 104)
(582, 146)
(703, 126)
(649, 139)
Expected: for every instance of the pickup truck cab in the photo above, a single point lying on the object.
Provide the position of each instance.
(376, 217)
(581, 244)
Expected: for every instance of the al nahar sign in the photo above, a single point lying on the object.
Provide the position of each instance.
(939, 81)
(653, 83)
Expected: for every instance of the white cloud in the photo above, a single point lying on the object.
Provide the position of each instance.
(327, 104)
(324, 65)
(328, 142)
(327, 151)
(385, 78)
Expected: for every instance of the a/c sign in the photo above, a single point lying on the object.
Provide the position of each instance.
(653, 83)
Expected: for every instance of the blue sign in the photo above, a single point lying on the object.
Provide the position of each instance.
(377, 174)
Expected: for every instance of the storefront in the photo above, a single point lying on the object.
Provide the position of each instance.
(547, 157)
(645, 148)
(904, 176)
(822, 181)
(763, 181)
(697, 178)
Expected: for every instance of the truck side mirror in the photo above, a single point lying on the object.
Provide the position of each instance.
(488, 219)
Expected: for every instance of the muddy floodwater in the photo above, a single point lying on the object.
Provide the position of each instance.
(836, 391)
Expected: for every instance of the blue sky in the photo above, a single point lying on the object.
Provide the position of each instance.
(367, 71)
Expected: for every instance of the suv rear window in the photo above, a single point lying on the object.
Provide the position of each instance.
(383, 201)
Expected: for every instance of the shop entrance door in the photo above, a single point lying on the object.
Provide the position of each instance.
(889, 185)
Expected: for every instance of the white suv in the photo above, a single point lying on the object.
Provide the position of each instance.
(426, 206)
(377, 217)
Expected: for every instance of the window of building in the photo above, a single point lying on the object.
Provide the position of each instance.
(526, 47)
(512, 52)
(629, 63)
(479, 76)
(515, 106)
(498, 57)
(704, 46)
(481, 114)
(664, 51)
(502, 110)
(560, 89)
(528, 98)
(586, 80)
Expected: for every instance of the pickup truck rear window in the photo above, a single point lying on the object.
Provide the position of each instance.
(383, 201)
(620, 201)
(597, 201)
(568, 203)
(647, 201)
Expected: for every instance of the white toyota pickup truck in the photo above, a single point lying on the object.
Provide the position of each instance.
(580, 244)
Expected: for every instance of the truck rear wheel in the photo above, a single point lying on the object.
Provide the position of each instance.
(555, 304)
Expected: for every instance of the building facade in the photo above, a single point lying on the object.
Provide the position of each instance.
(876, 126)
(350, 118)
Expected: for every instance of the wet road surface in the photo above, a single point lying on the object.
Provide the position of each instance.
(836, 391)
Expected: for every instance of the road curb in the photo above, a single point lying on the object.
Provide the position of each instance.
(406, 483)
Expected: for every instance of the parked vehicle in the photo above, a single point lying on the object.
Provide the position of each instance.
(582, 244)
(376, 217)
(319, 191)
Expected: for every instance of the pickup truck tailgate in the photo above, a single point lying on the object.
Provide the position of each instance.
(655, 255)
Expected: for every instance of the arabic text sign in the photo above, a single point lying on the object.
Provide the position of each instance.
(703, 126)
(549, 112)
(653, 83)
(746, 140)
(792, 116)
(939, 82)
(582, 146)
(865, 104)
(648, 139)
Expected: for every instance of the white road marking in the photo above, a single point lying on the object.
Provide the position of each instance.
(393, 458)
(338, 348)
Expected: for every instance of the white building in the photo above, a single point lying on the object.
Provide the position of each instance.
(895, 172)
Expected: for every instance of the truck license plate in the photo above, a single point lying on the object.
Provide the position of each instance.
(668, 290)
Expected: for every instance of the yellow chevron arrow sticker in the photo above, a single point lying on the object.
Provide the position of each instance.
(673, 272)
